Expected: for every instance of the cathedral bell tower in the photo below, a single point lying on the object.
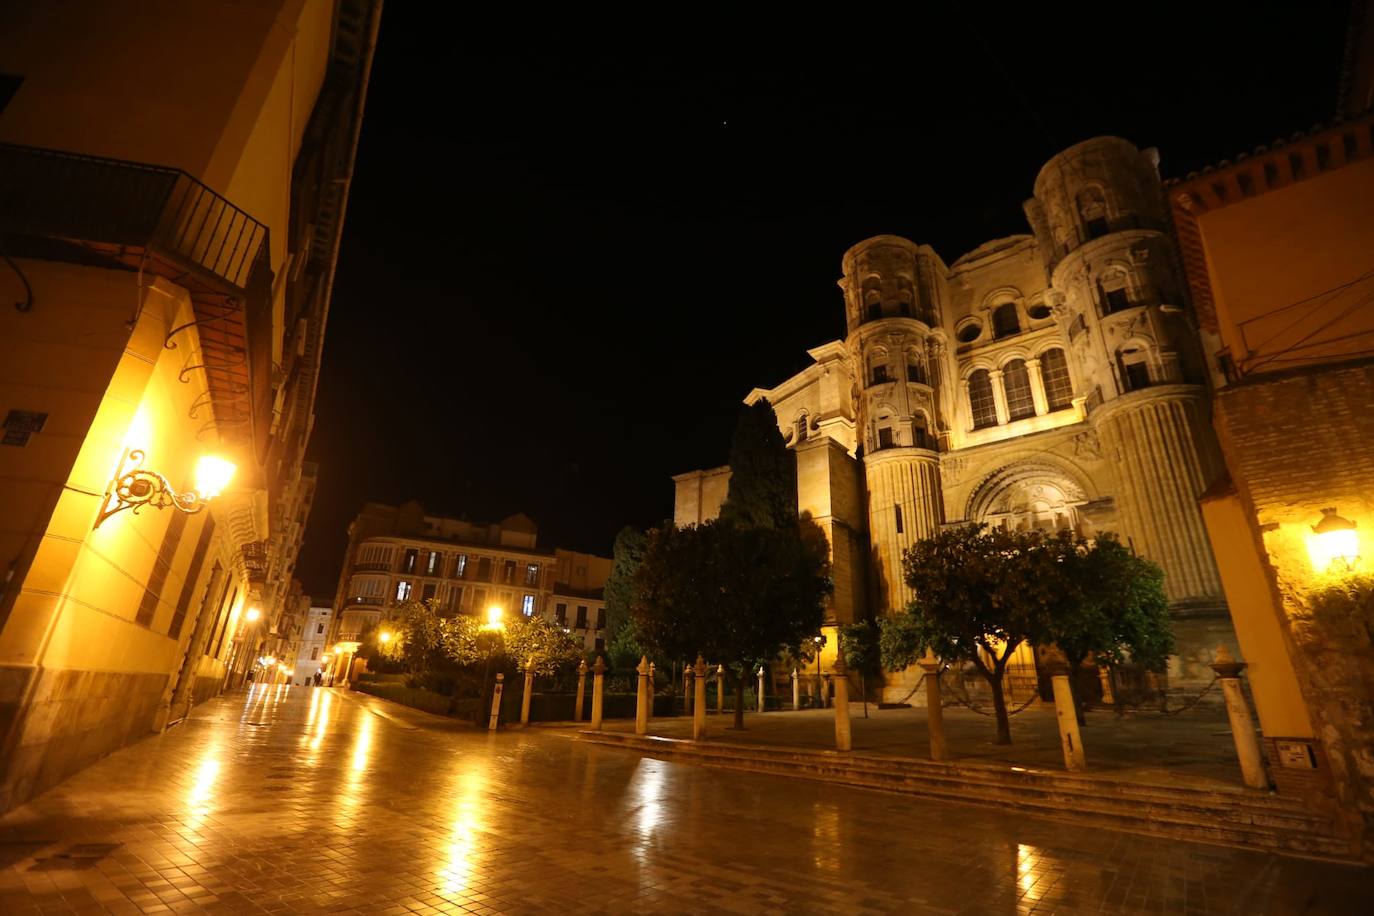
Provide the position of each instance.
(896, 347)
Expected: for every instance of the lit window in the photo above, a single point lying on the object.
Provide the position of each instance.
(1054, 369)
(403, 590)
(532, 574)
(527, 605)
(980, 400)
(1016, 381)
(460, 566)
(1005, 322)
(432, 563)
(408, 561)
(508, 572)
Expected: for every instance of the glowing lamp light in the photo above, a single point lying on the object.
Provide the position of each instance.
(1334, 543)
(494, 614)
(253, 614)
(213, 475)
(384, 636)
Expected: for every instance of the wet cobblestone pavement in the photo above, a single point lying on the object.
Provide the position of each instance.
(312, 801)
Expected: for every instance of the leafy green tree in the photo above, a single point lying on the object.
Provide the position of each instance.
(533, 642)
(1113, 608)
(862, 654)
(763, 472)
(979, 594)
(741, 595)
(628, 551)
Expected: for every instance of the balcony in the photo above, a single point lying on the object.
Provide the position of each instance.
(111, 213)
(372, 567)
(365, 601)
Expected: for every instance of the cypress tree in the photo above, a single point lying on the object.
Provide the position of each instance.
(763, 472)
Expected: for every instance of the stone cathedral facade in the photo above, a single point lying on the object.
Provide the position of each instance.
(1047, 380)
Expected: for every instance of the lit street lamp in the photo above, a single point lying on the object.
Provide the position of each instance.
(493, 626)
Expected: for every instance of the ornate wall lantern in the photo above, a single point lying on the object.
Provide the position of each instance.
(135, 486)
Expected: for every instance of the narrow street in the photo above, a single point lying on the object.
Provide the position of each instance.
(311, 800)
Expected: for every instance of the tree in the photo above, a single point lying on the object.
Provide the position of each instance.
(628, 551)
(1113, 608)
(763, 472)
(979, 594)
(741, 595)
(859, 645)
(535, 643)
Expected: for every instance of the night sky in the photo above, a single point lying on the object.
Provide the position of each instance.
(560, 275)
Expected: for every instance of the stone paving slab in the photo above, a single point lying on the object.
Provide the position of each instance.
(308, 801)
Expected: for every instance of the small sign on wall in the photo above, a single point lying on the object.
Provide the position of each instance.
(1298, 755)
(20, 424)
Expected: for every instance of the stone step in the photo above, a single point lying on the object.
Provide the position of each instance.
(1219, 815)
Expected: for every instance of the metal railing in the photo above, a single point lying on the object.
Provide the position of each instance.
(91, 199)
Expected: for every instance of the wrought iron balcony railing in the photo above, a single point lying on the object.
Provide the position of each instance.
(62, 206)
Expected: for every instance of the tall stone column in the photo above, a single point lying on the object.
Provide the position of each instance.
(1159, 443)
(529, 689)
(581, 689)
(1242, 725)
(699, 708)
(999, 397)
(759, 695)
(598, 692)
(1067, 715)
(644, 698)
(1037, 384)
(843, 737)
(905, 480)
(935, 711)
(796, 690)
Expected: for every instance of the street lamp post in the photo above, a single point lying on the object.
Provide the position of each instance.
(493, 626)
(820, 684)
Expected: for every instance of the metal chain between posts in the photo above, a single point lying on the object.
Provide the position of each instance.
(968, 703)
(913, 690)
(1173, 712)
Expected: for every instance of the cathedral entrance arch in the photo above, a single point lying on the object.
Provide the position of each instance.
(1028, 495)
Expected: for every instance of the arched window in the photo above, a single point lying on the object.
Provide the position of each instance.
(1115, 291)
(1016, 381)
(873, 306)
(1005, 322)
(920, 433)
(877, 368)
(915, 367)
(980, 401)
(801, 427)
(1135, 369)
(1092, 207)
(1054, 370)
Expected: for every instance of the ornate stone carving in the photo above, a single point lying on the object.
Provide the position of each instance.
(1086, 446)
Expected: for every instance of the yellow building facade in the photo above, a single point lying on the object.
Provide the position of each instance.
(172, 185)
(1278, 250)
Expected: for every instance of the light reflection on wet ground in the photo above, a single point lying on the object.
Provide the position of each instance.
(300, 800)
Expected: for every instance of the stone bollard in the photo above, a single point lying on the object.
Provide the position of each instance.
(935, 711)
(653, 688)
(827, 698)
(1104, 674)
(529, 689)
(1067, 715)
(843, 738)
(598, 692)
(581, 690)
(687, 689)
(720, 690)
(760, 690)
(796, 690)
(1242, 726)
(495, 719)
(644, 698)
(699, 708)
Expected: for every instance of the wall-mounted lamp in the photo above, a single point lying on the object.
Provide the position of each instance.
(253, 614)
(1334, 545)
(134, 486)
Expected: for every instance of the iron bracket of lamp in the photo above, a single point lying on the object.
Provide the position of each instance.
(135, 487)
